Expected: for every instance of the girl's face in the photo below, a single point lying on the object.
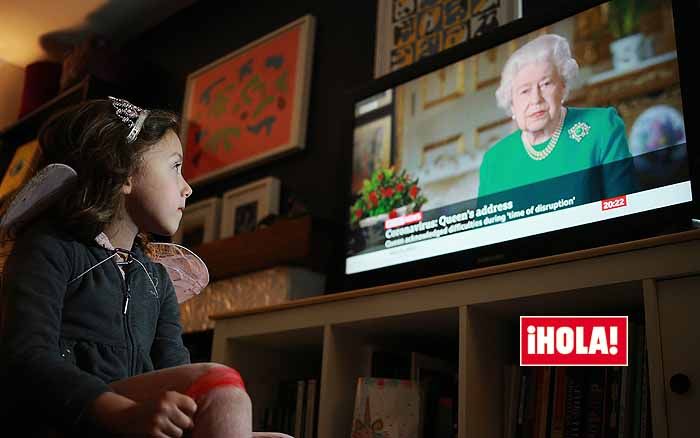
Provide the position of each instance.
(158, 190)
(538, 91)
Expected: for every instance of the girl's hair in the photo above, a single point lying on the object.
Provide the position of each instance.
(91, 138)
(546, 48)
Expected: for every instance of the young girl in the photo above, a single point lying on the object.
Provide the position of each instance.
(91, 345)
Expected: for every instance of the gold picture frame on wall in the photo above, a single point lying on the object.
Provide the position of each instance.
(443, 85)
(442, 151)
(488, 134)
(487, 66)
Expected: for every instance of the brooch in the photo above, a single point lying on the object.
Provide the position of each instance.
(579, 130)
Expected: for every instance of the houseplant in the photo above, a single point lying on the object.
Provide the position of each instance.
(630, 46)
(386, 194)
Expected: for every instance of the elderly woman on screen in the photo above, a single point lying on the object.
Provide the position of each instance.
(585, 149)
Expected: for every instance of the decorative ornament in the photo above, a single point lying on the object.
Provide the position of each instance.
(130, 114)
(579, 130)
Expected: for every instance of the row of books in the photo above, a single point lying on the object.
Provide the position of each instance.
(294, 410)
(580, 402)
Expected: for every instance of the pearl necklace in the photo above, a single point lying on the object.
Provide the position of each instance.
(544, 153)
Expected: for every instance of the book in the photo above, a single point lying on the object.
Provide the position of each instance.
(512, 396)
(575, 390)
(593, 412)
(390, 407)
(558, 403)
(299, 408)
(311, 408)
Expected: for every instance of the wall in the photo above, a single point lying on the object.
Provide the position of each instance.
(11, 83)
(343, 60)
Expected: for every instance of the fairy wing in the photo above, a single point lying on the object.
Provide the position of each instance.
(38, 194)
(186, 270)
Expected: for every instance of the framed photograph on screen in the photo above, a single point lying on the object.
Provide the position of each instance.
(488, 134)
(487, 66)
(250, 105)
(199, 224)
(371, 150)
(443, 85)
(243, 207)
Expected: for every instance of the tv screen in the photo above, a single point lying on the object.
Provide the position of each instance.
(577, 122)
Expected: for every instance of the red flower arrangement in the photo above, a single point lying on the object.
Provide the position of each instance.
(385, 192)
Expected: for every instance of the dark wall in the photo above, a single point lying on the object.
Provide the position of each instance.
(343, 59)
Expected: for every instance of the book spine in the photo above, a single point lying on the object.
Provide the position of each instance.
(558, 403)
(573, 427)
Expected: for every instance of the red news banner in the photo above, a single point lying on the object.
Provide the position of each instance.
(573, 340)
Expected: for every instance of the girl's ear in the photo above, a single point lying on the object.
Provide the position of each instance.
(128, 186)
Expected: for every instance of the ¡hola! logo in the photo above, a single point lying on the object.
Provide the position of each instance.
(573, 340)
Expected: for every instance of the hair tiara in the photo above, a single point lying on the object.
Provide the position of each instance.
(130, 114)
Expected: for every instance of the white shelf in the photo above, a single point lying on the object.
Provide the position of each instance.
(611, 74)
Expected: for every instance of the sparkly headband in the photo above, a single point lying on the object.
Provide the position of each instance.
(130, 114)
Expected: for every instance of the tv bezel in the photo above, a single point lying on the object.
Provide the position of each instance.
(627, 228)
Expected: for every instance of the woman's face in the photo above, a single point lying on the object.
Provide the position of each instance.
(538, 91)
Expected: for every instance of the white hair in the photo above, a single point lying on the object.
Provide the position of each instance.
(546, 48)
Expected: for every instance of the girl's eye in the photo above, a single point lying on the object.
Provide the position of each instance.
(177, 166)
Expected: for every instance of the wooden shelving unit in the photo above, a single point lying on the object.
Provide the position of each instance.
(285, 242)
(473, 316)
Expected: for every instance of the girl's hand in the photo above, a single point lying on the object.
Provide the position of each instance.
(166, 416)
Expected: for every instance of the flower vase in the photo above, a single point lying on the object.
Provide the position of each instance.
(628, 52)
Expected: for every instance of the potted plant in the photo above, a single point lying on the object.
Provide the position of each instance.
(386, 194)
(629, 46)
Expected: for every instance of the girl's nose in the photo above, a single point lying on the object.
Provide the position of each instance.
(187, 191)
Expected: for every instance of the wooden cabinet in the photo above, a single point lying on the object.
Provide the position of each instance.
(473, 316)
(678, 306)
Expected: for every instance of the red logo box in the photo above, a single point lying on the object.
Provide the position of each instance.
(573, 340)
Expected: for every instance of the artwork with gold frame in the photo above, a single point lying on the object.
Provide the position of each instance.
(21, 168)
(487, 65)
(371, 150)
(486, 135)
(443, 85)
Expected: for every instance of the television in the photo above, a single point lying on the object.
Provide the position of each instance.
(446, 177)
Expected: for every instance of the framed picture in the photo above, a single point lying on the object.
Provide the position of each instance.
(21, 168)
(371, 150)
(373, 103)
(199, 224)
(486, 135)
(250, 105)
(488, 65)
(442, 153)
(443, 85)
(243, 207)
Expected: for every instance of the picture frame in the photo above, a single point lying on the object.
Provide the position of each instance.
(374, 103)
(442, 153)
(371, 149)
(443, 85)
(242, 208)
(22, 167)
(249, 106)
(487, 65)
(200, 223)
(488, 134)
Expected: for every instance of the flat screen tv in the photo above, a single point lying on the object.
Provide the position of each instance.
(560, 131)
